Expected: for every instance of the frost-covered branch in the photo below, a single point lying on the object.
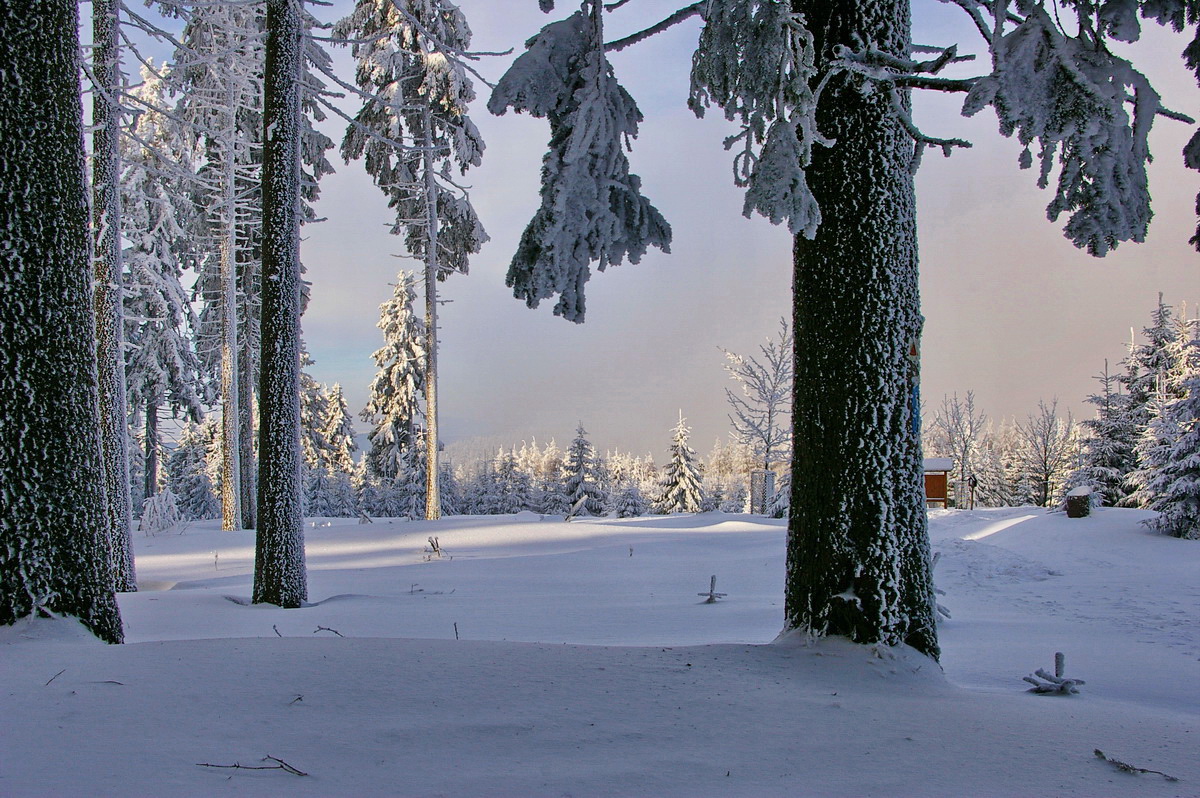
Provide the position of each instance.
(687, 12)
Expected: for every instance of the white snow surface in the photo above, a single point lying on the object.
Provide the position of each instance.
(587, 666)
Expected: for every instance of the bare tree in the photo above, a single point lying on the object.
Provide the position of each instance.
(957, 432)
(1048, 450)
(761, 416)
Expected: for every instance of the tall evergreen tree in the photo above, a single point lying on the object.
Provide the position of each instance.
(412, 130)
(162, 367)
(680, 484)
(54, 541)
(393, 404)
(1177, 499)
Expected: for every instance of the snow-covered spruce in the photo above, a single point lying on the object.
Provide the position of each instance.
(680, 488)
(580, 479)
(163, 372)
(393, 402)
(411, 131)
(54, 550)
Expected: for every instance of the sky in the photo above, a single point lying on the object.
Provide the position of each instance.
(1013, 311)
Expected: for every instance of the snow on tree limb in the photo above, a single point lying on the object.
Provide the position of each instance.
(592, 206)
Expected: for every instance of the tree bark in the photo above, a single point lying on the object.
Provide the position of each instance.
(150, 485)
(231, 470)
(279, 573)
(110, 351)
(858, 552)
(246, 375)
(54, 552)
(433, 497)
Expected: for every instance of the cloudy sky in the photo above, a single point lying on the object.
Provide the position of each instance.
(1013, 311)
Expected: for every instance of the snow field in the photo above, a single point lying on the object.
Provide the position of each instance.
(623, 682)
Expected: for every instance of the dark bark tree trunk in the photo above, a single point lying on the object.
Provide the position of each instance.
(110, 354)
(858, 552)
(54, 552)
(150, 486)
(279, 573)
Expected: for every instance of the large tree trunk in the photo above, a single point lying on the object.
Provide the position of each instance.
(433, 494)
(231, 470)
(279, 574)
(110, 353)
(54, 551)
(858, 551)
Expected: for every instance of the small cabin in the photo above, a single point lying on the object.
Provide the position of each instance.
(937, 481)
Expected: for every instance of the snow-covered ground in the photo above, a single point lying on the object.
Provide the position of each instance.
(587, 665)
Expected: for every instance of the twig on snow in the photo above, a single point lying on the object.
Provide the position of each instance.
(1125, 767)
(279, 765)
(55, 676)
(327, 629)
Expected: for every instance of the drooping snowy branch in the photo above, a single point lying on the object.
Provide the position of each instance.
(592, 207)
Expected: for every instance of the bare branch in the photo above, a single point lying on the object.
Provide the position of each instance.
(679, 16)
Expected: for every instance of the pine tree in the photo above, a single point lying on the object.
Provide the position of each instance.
(628, 502)
(1108, 451)
(680, 488)
(412, 130)
(162, 368)
(393, 404)
(1178, 498)
(580, 477)
(54, 543)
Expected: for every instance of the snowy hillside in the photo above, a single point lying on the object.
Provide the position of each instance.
(589, 666)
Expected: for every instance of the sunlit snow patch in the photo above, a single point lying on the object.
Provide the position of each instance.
(999, 526)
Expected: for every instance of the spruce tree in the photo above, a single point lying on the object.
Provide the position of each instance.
(54, 542)
(162, 368)
(1108, 451)
(580, 482)
(393, 403)
(680, 484)
(412, 130)
(190, 472)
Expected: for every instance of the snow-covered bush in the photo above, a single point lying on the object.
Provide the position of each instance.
(160, 513)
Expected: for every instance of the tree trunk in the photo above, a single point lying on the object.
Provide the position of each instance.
(150, 485)
(231, 470)
(433, 497)
(858, 552)
(110, 353)
(246, 375)
(279, 574)
(54, 550)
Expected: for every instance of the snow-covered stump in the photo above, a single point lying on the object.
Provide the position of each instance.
(712, 595)
(858, 560)
(1056, 684)
(1079, 502)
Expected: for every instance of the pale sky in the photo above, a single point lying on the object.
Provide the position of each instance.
(1013, 311)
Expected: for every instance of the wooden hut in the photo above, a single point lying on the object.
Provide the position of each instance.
(937, 481)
